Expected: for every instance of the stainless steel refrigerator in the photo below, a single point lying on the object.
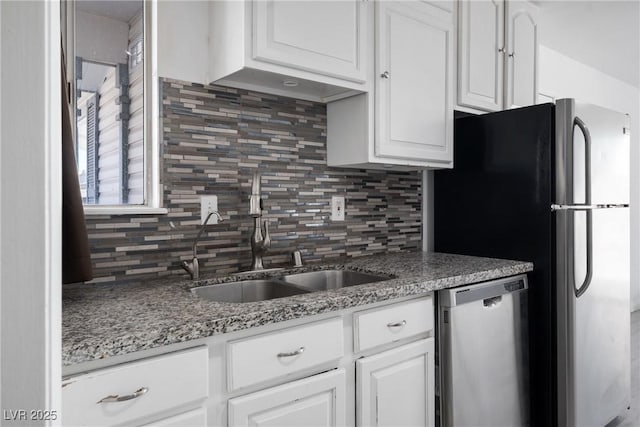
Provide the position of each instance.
(550, 184)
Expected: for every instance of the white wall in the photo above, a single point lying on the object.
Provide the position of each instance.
(563, 77)
(1, 406)
(596, 33)
(101, 39)
(31, 205)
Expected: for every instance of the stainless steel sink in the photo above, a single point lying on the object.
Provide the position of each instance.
(247, 291)
(285, 286)
(331, 279)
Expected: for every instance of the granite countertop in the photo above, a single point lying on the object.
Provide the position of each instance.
(104, 321)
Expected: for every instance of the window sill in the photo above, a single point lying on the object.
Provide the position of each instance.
(123, 210)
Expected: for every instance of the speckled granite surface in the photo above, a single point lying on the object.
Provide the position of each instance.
(104, 321)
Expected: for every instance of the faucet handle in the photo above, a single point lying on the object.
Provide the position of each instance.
(266, 242)
(192, 268)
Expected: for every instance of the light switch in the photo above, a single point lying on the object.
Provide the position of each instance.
(208, 204)
(337, 208)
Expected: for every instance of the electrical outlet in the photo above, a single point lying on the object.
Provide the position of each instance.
(337, 208)
(208, 204)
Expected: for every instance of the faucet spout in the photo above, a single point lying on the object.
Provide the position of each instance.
(193, 267)
(204, 225)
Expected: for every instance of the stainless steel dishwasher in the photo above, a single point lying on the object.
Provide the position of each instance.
(483, 354)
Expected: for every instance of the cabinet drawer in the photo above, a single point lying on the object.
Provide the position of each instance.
(264, 357)
(171, 381)
(392, 323)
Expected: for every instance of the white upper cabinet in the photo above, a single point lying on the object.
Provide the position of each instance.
(182, 31)
(320, 37)
(407, 121)
(312, 50)
(481, 54)
(497, 54)
(522, 54)
(413, 63)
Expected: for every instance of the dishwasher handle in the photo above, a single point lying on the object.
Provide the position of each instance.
(492, 302)
(490, 293)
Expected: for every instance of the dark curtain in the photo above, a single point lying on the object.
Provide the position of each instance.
(76, 258)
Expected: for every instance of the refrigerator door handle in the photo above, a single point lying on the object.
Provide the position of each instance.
(577, 122)
(582, 207)
(580, 290)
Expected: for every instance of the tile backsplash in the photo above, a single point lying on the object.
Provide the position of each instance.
(214, 138)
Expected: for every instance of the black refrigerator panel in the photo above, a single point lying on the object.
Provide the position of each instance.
(495, 202)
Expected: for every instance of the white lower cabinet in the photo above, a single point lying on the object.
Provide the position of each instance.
(396, 387)
(318, 400)
(376, 327)
(196, 418)
(368, 365)
(135, 393)
(285, 352)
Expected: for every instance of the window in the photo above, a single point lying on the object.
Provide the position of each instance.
(115, 152)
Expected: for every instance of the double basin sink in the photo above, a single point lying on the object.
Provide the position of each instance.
(284, 286)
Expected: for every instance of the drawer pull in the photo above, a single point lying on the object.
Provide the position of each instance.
(116, 398)
(397, 324)
(292, 353)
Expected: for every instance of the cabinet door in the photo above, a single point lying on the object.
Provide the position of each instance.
(481, 54)
(522, 54)
(195, 418)
(414, 113)
(325, 37)
(315, 401)
(396, 387)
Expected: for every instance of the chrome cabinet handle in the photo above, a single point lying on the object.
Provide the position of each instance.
(501, 50)
(292, 353)
(512, 54)
(117, 398)
(396, 324)
(385, 75)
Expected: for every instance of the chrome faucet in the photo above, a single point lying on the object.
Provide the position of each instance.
(260, 241)
(193, 268)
